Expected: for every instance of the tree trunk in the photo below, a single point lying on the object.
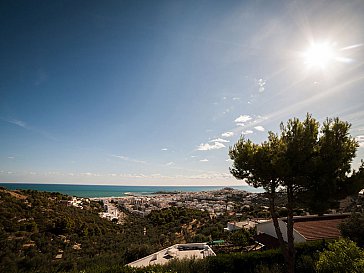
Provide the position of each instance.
(276, 224)
(290, 237)
(287, 250)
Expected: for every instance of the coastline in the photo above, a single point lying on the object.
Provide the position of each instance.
(105, 191)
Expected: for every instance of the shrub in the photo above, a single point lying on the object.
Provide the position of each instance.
(341, 256)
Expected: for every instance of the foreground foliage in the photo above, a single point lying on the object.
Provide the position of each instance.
(353, 228)
(271, 261)
(341, 256)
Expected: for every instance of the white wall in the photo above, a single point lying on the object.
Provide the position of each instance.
(268, 228)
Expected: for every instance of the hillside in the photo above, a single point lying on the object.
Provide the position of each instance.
(41, 232)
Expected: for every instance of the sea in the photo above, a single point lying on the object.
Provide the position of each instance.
(94, 191)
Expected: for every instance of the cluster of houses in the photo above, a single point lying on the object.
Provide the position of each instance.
(215, 202)
(306, 228)
(111, 212)
(77, 202)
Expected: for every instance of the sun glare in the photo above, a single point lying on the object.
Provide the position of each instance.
(319, 55)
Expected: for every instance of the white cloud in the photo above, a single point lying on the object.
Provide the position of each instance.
(164, 149)
(18, 122)
(243, 119)
(11, 157)
(259, 128)
(121, 157)
(88, 174)
(261, 84)
(211, 176)
(227, 134)
(204, 160)
(247, 132)
(208, 147)
(170, 163)
(128, 159)
(24, 125)
(226, 111)
(219, 140)
(360, 139)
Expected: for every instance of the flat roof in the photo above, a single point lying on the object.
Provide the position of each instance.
(178, 251)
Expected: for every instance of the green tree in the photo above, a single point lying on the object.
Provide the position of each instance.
(353, 228)
(310, 166)
(341, 256)
(239, 237)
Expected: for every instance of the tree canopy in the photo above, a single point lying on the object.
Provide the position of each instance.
(310, 163)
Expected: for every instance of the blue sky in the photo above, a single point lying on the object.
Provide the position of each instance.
(155, 92)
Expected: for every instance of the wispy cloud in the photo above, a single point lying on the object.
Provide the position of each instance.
(219, 140)
(86, 176)
(243, 119)
(164, 149)
(17, 122)
(125, 158)
(26, 126)
(208, 147)
(11, 157)
(360, 139)
(227, 134)
(247, 132)
(170, 164)
(204, 160)
(90, 174)
(259, 128)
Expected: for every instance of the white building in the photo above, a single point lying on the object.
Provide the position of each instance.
(178, 251)
(306, 228)
(247, 224)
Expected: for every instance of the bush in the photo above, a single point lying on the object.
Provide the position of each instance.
(243, 262)
(353, 228)
(341, 256)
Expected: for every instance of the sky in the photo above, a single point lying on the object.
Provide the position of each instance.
(155, 92)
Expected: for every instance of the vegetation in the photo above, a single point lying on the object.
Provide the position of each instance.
(271, 261)
(36, 227)
(353, 228)
(341, 256)
(311, 166)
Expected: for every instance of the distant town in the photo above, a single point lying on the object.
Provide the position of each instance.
(215, 202)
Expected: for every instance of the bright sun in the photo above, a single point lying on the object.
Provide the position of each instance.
(319, 55)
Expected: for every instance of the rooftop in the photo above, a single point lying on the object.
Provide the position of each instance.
(319, 227)
(178, 251)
